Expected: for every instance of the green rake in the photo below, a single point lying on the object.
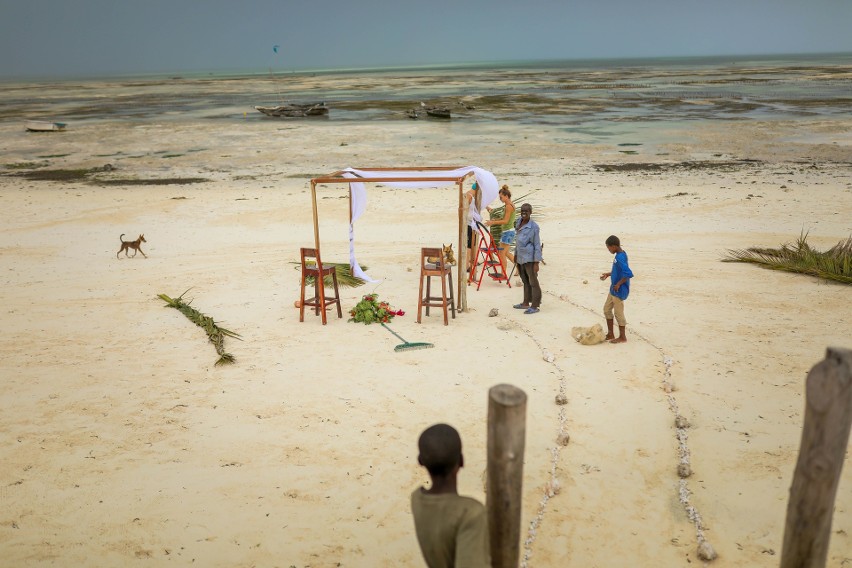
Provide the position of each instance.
(407, 346)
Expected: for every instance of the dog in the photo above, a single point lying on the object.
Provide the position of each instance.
(448, 256)
(135, 245)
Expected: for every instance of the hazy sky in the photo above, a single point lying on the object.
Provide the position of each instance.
(67, 38)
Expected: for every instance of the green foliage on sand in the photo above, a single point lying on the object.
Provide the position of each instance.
(497, 213)
(214, 332)
(344, 275)
(24, 165)
(834, 264)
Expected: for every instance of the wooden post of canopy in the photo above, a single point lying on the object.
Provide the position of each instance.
(350, 231)
(507, 408)
(825, 434)
(461, 276)
(316, 217)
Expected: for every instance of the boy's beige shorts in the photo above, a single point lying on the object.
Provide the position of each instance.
(614, 304)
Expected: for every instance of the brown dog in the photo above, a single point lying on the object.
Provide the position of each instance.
(135, 245)
(448, 256)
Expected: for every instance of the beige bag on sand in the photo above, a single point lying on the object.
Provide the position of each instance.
(588, 335)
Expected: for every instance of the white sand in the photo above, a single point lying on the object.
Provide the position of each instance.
(122, 441)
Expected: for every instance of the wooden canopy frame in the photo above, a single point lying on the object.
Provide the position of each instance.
(338, 178)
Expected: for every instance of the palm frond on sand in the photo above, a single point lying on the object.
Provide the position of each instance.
(215, 333)
(497, 213)
(344, 275)
(834, 264)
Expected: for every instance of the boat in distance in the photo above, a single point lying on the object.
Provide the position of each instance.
(44, 126)
(292, 110)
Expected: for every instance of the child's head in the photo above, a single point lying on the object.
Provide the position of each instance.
(612, 243)
(440, 450)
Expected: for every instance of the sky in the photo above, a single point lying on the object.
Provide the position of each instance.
(44, 39)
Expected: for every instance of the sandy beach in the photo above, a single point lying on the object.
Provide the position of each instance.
(124, 443)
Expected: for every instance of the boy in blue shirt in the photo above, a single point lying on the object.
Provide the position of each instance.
(618, 290)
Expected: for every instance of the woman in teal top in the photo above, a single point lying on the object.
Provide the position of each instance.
(507, 224)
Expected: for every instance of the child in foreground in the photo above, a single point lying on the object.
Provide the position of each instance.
(452, 530)
(619, 289)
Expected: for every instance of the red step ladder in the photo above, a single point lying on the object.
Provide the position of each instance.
(487, 255)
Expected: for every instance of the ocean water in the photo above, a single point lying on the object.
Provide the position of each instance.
(583, 101)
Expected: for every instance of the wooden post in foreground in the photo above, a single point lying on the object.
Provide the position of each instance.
(507, 409)
(828, 417)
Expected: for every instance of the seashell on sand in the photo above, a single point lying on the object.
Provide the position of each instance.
(493, 313)
(684, 471)
(553, 488)
(682, 422)
(563, 438)
(706, 552)
(561, 399)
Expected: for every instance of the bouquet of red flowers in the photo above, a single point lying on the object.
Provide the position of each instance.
(371, 310)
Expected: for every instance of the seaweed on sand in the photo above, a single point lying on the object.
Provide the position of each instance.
(720, 165)
(56, 175)
(91, 175)
(834, 264)
(151, 181)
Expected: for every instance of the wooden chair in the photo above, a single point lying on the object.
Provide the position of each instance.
(443, 271)
(316, 270)
(490, 258)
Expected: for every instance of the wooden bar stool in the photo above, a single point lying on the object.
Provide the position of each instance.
(316, 270)
(443, 271)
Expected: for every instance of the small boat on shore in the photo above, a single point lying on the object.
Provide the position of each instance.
(438, 112)
(292, 110)
(44, 126)
(431, 111)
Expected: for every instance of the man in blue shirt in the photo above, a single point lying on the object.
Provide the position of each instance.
(619, 289)
(527, 257)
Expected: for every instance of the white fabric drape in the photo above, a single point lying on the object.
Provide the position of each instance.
(486, 181)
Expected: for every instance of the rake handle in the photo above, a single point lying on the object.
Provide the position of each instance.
(393, 332)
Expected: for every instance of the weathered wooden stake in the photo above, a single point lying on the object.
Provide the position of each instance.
(462, 277)
(825, 434)
(507, 409)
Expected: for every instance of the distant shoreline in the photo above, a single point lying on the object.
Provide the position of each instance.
(583, 63)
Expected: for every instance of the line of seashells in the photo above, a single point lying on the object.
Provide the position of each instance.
(552, 487)
(684, 468)
(704, 550)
